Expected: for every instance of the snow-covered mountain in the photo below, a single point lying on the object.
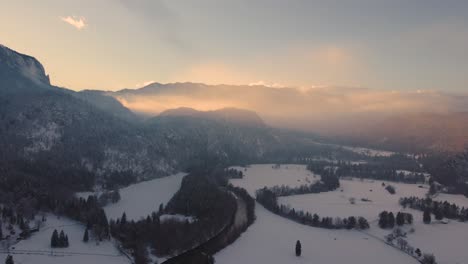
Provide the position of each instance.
(399, 121)
(90, 137)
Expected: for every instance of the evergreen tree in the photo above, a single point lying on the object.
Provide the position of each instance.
(54, 241)
(66, 243)
(1, 232)
(400, 219)
(123, 220)
(438, 214)
(391, 220)
(383, 222)
(418, 252)
(9, 260)
(351, 223)
(86, 236)
(428, 259)
(362, 222)
(315, 220)
(61, 240)
(427, 216)
(409, 218)
(298, 248)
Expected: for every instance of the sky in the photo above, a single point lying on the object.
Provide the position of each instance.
(402, 45)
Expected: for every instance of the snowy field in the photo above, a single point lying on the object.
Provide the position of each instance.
(446, 241)
(271, 239)
(337, 203)
(426, 237)
(37, 248)
(360, 150)
(370, 152)
(261, 175)
(141, 199)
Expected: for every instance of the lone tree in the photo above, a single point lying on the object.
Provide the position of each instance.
(298, 248)
(86, 236)
(9, 260)
(427, 216)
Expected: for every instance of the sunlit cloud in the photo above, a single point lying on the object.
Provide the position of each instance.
(263, 83)
(143, 84)
(314, 108)
(77, 22)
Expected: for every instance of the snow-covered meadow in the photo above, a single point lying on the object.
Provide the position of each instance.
(271, 238)
(137, 201)
(268, 175)
(369, 196)
(36, 249)
(141, 199)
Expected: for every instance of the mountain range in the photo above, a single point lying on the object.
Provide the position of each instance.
(56, 132)
(399, 121)
(43, 125)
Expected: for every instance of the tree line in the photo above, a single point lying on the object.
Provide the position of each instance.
(200, 196)
(437, 208)
(388, 219)
(375, 171)
(269, 200)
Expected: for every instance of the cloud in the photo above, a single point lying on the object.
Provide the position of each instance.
(263, 83)
(77, 22)
(143, 84)
(317, 108)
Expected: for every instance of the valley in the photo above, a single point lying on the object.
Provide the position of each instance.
(119, 177)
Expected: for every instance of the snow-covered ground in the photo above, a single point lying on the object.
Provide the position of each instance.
(37, 248)
(360, 150)
(337, 203)
(177, 217)
(271, 238)
(446, 241)
(141, 199)
(370, 152)
(426, 237)
(136, 201)
(260, 175)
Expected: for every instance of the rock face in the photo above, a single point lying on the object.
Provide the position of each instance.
(14, 62)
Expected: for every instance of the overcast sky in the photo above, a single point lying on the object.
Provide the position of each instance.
(115, 44)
